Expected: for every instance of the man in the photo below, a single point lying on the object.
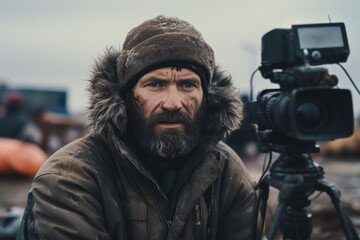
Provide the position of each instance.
(153, 166)
(15, 123)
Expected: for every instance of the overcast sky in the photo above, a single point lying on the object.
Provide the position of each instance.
(53, 44)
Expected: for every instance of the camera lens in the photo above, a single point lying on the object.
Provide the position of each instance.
(309, 116)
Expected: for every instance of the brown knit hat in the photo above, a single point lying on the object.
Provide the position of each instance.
(164, 42)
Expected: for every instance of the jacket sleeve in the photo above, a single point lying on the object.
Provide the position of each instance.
(59, 207)
(64, 203)
(237, 200)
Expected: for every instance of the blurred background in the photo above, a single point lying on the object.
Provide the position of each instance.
(48, 47)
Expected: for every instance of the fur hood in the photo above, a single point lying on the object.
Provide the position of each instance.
(107, 113)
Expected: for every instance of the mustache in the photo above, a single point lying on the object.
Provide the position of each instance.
(169, 117)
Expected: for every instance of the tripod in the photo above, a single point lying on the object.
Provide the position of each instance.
(296, 176)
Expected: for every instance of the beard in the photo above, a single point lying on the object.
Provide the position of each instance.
(167, 143)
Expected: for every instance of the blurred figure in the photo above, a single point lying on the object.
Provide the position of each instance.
(15, 122)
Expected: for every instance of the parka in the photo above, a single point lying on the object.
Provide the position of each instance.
(97, 187)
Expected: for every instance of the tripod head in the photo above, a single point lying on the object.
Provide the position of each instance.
(296, 176)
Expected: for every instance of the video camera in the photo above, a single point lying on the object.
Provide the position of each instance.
(306, 107)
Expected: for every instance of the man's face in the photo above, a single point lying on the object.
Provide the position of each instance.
(169, 111)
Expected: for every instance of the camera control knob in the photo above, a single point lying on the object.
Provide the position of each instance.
(316, 55)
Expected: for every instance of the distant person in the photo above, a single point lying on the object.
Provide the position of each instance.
(154, 165)
(15, 123)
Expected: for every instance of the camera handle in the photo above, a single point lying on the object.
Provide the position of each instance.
(294, 190)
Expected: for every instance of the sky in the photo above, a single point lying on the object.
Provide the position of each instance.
(53, 44)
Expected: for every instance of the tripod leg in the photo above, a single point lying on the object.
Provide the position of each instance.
(334, 194)
(260, 207)
(288, 186)
(277, 217)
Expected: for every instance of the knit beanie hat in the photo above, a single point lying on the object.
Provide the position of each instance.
(164, 42)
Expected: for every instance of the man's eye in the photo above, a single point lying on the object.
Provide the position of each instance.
(187, 85)
(155, 84)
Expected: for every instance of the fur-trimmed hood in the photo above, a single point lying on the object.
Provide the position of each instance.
(107, 113)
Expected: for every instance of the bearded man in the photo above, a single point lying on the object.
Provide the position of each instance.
(154, 165)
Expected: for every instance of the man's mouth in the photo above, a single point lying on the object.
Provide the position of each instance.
(169, 125)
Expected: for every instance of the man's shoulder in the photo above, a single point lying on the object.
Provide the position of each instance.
(234, 167)
(79, 156)
(227, 152)
(82, 148)
(229, 159)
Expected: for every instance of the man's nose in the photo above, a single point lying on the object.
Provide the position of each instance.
(172, 100)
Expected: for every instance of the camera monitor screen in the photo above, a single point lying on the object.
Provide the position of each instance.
(326, 43)
(320, 37)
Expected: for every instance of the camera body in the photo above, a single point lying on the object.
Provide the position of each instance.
(284, 48)
(306, 107)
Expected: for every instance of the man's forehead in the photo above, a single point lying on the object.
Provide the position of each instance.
(169, 71)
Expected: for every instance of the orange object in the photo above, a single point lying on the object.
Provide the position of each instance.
(17, 157)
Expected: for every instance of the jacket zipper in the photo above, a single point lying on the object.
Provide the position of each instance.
(172, 210)
(197, 222)
(166, 220)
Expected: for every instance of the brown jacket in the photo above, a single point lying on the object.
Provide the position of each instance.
(87, 191)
